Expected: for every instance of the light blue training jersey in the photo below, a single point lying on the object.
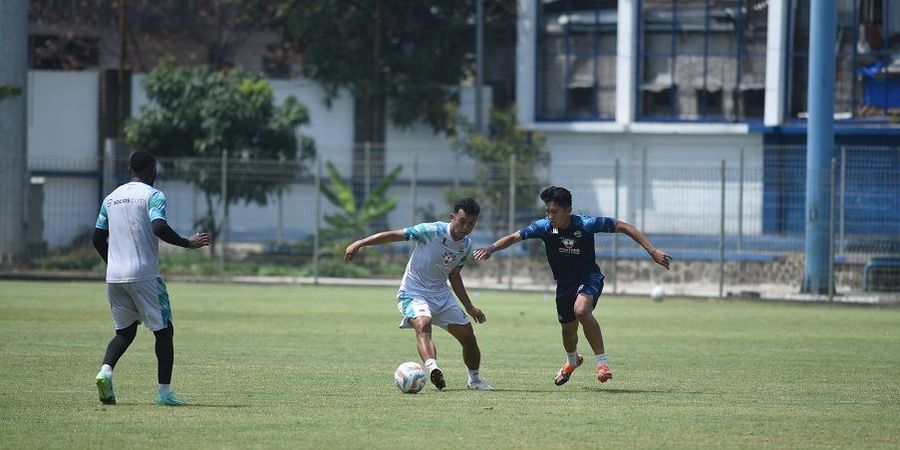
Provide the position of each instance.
(435, 254)
(127, 213)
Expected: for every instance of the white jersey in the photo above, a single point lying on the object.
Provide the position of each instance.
(434, 256)
(133, 248)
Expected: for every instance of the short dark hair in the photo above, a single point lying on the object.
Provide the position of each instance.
(141, 161)
(468, 205)
(559, 195)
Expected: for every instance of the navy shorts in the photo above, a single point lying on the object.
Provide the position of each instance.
(567, 291)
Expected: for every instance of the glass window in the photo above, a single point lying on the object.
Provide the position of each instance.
(702, 60)
(577, 60)
(867, 59)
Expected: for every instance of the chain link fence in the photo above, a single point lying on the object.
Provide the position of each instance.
(732, 229)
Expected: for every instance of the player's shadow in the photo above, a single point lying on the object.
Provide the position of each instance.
(187, 406)
(638, 391)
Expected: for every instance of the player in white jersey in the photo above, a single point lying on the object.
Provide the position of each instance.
(131, 219)
(424, 299)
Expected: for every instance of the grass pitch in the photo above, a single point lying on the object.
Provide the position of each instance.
(311, 367)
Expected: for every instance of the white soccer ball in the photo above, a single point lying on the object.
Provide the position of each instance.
(658, 293)
(410, 377)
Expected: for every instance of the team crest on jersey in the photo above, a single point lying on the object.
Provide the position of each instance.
(568, 242)
(577, 233)
(449, 257)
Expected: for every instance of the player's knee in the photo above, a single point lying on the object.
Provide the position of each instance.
(165, 333)
(583, 313)
(128, 333)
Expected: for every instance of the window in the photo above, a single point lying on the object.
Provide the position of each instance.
(577, 60)
(702, 59)
(867, 59)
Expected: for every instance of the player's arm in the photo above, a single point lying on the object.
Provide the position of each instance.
(163, 231)
(502, 243)
(459, 289)
(631, 231)
(101, 242)
(384, 237)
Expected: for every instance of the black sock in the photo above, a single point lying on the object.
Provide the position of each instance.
(119, 343)
(165, 353)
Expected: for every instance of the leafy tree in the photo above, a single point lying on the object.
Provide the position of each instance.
(493, 151)
(197, 113)
(352, 222)
(9, 91)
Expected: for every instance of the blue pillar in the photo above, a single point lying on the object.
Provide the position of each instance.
(819, 144)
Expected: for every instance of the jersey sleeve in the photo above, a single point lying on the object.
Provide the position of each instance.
(423, 232)
(157, 206)
(537, 229)
(102, 219)
(600, 224)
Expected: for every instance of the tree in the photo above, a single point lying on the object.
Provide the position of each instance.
(197, 113)
(493, 151)
(352, 222)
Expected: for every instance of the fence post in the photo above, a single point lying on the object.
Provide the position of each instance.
(414, 191)
(279, 233)
(318, 213)
(367, 170)
(109, 166)
(831, 233)
(511, 219)
(843, 192)
(722, 234)
(740, 205)
(644, 189)
(616, 235)
(223, 223)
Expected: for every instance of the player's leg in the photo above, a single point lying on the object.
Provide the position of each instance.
(427, 350)
(585, 303)
(156, 312)
(417, 315)
(471, 354)
(125, 319)
(565, 312)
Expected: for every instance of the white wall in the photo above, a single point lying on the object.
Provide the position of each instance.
(62, 138)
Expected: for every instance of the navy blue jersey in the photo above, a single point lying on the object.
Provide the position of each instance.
(570, 252)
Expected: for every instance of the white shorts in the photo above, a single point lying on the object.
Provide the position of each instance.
(144, 301)
(443, 311)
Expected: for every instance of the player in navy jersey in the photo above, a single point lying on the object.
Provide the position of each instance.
(569, 241)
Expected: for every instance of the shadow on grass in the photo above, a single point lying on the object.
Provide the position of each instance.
(639, 391)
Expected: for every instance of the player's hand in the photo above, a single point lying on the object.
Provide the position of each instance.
(477, 314)
(660, 257)
(199, 240)
(483, 253)
(350, 252)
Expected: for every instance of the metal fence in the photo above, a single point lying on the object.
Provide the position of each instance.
(733, 228)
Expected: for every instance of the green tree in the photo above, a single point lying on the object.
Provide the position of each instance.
(493, 152)
(197, 113)
(9, 91)
(351, 221)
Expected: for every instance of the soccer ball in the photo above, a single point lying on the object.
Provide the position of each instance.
(658, 293)
(409, 377)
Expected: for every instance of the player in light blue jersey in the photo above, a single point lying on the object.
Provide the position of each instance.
(131, 219)
(569, 243)
(424, 299)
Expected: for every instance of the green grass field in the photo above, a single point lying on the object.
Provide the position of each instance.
(311, 367)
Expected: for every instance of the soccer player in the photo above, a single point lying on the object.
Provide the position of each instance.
(439, 254)
(569, 242)
(131, 218)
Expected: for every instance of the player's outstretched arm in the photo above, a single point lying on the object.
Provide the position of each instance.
(460, 290)
(484, 253)
(163, 231)
(658, 255)
(101, 242)
(376, 239)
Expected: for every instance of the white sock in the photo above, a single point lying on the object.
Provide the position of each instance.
(165, 389)
(430, 364)
(473, 375)
(601, 359)
(106, 369)
(572, 357)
